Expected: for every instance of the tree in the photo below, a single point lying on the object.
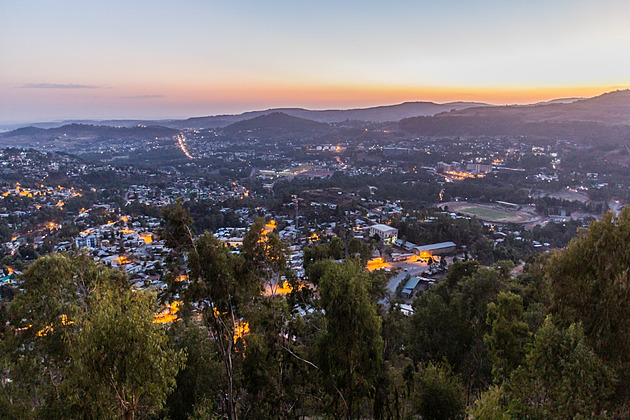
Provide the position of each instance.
(449, 321)
(439, 394)
(358, 248)
(443, 263)
(562, 378)
(176, 230)
(438, 329)
(276, 374)
(350, 348)
(84, 345)
(122, 365)
(483, 249)
(504, 268)
(199, 381)
(57, 292)
(459, 270)
(508, 335)
(221, 285)
(396, 379)
(266, 253)
(589, 284)
(337, 248)
(491, 406)
(179, 237)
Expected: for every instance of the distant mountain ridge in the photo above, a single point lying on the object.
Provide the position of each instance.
(374, 114)
(583, 119)
(377, 114)
(587, 121)
(612, 108)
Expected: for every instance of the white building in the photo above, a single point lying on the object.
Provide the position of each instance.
(387, 234)
(89, 241)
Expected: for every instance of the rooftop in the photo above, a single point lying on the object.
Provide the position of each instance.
(384, 228)
(432, 247)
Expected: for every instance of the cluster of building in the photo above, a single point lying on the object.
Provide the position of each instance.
(185, 189)
(463, 170)
(31, 164)
(215, 169)
(44, 196)
(131, 244)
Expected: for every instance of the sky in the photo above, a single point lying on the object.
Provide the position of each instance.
(97, 59)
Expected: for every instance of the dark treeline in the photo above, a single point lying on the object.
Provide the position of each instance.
(581, 131)
(550, 343)
(494, 187)
(418, 188)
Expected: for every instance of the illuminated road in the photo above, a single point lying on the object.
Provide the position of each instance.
(181, 140)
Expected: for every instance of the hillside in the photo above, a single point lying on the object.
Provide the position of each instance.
(604, 118)
(67, 135)
(584, 132)
(276, 123)
(610, 108)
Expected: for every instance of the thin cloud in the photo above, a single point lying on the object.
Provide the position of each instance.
(57, 86)
(143, 97)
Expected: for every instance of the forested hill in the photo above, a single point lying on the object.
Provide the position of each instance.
(580, 131)
(276, 123)
(604, 118)
(612, 108)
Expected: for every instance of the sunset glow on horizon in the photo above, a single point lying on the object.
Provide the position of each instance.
(142, 59)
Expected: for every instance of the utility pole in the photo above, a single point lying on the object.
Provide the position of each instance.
(295, 200)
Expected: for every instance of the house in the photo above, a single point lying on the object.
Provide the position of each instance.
(414, 284)
(406, 310)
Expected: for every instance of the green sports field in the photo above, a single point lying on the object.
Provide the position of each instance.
(488, 213)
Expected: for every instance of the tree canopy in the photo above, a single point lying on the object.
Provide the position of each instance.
(252, 340)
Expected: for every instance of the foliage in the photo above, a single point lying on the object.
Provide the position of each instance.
(449, 320)
(490, 406)
(78, 335)
(440, 394)
(432, 227)
(121, 361)
(221, 285)
(198, 382)
(550, 342)
(276, 374)
(265, 253)
(589, 285)
(562, 378)
(508, 334)
(350, 347)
